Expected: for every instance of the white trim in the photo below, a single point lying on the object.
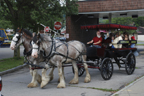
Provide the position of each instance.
(0, 78)
(111, 11)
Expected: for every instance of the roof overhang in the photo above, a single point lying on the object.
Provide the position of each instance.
(129, 13)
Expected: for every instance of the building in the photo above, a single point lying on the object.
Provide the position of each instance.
(89, 12)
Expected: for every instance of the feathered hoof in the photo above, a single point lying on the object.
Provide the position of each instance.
(43, 84)
(61, 85)
(32, 85)
(87, 79)
(74, 81)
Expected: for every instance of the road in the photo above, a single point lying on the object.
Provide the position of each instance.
(8, 53)
(15, 84)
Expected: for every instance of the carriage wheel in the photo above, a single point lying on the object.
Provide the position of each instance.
(130, 64)
(80, 70)
(106, 69)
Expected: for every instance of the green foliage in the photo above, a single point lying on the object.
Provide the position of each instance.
(27, 13)
(121, 20)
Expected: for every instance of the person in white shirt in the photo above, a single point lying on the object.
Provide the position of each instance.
(116, 40)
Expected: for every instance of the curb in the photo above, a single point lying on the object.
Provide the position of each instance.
(126, 87)
(13, 69)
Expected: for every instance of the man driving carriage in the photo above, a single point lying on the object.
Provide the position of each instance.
(97, 40)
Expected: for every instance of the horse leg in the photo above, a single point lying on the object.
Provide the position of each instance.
(75, 79)
(38, 76)
(34, 82)
(45, 78)
(61, 76)
(51, 74)
(87, 78)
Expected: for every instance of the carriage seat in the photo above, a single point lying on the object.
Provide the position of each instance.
(129, 42)
(93, 52)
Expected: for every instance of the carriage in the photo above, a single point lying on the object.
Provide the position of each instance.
(102, 58)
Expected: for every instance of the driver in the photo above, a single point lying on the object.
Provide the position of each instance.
(96, 40)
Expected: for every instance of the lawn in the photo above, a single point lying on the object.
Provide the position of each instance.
(9, 63)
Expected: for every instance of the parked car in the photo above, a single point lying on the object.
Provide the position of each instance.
(0, 86)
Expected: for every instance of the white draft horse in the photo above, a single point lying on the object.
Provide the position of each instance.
(25, 37)
(59, 53)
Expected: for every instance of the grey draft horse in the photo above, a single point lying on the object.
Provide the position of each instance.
(25, 37)
(59, 53)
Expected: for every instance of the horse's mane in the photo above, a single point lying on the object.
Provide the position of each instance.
(43, 38)
(27, 32)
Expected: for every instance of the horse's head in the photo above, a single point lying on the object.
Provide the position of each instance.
(36, 45)
(16, 40)
(20, 37)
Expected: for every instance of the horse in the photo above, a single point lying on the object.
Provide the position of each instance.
(59, 53)
(24, 37)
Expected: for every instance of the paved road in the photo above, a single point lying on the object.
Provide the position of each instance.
(8, 53)
(15, 84)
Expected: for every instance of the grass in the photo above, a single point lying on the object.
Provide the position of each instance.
(9, 63)
(104, 89)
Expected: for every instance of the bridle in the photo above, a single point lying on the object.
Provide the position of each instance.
(38, 48)
(18, 38)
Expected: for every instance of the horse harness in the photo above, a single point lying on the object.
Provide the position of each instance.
(53, 52)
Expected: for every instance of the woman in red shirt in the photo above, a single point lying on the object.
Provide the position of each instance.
(96, 40)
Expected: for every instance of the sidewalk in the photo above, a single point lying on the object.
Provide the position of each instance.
(134, 89)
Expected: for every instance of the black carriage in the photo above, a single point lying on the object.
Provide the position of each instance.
(102, 58)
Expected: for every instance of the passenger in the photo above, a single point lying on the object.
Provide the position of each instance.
(126, 37)
(132, 45)
(115, 45)
(96, 40)
(112, 39)
(110, 36)
(123, 35)
(116, 40)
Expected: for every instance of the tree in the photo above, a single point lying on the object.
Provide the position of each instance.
(27, 13)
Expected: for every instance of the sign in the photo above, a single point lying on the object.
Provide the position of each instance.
(46, 29)
(57, 25)
(67, 35)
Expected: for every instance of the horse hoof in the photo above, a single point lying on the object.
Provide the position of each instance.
(87, 79)
(74, 81)
(32, 85)
(61, 85)
(44, 83)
